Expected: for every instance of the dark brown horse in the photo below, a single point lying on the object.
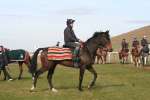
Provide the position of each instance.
(87, 57)
(8, 60)
(102, 55)
(123, 55)
(136, 56)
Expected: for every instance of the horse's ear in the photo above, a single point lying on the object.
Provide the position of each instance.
(107, 31)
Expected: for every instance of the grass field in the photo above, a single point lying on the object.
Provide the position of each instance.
(114, 82)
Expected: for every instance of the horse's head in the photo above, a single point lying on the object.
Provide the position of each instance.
(103, 39)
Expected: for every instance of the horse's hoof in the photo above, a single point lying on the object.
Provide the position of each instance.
(80, 89)
(4, 79)
(32, 88)
(54, 90)
(10, 79)
(89, 87)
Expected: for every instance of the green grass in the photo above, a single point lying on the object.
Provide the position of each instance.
(114, 82)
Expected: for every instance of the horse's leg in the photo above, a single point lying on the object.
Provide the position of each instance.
(139, 61)
(0, 72)
(20, 69)
(49, 78)
(27, 61)
(127, 59)
(28, 64)
(82, 70)
(92, 70)
(145, 59)
(134, 60)
(120, 57)
(6, 75)
(101, 59)
(123, 60)
(37, 73)
(142, 60)
(97, 59)
(105, 59)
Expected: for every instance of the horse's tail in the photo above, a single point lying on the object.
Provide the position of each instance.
(34, 60)
(27, 59)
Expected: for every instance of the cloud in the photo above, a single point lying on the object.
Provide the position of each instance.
(139, 21)
(77, 11)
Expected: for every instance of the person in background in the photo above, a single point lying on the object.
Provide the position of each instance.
(135, 43)
(144, 41)
(71, 40)
(124, 45)
(144, 44)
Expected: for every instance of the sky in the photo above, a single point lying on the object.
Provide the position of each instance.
(29, 24)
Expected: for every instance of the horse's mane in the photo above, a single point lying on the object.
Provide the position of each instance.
(94, 36)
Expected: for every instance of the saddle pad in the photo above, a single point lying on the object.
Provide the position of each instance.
(56, 53)
(16, 55)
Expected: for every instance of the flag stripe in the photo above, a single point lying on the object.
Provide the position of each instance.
(59, 54)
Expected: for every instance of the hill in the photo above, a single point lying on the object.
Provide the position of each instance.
(139, 33)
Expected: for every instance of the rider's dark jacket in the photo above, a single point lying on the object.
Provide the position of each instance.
(124, 45)
(144, 42)
(135, 43)
(70, 37)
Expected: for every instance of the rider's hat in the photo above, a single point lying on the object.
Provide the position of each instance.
(70, 21)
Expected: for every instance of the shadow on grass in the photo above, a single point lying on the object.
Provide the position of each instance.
(94, 88)
(100, 87)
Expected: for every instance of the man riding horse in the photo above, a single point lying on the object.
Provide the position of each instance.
(144, 44)
(144, 41)
(124, 45)
(144, 50)
(71, 40)
(123, 54)
(136, 52)
(135, 43)
(4, 62)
